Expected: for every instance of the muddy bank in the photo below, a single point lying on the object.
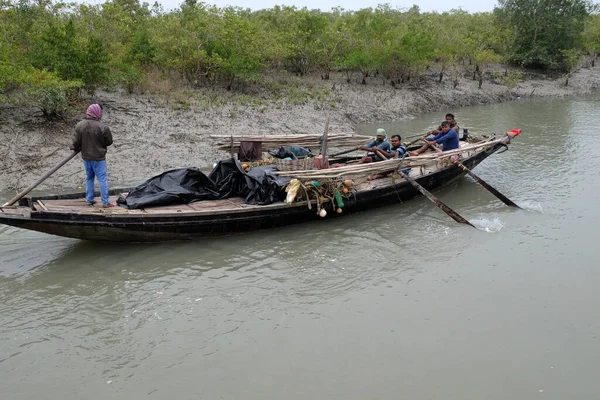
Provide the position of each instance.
(152, 135)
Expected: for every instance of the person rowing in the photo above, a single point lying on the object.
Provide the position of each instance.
(380, 142)
(398, 150)
(450, 118)
(447, 137)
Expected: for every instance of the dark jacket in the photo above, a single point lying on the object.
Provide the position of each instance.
(92, 138)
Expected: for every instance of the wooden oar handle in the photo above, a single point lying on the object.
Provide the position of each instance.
(379, 153)
(483, 183)
(344, 152)
(40, 180)
(450, 212)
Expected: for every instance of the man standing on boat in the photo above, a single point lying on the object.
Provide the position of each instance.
(92, 138)
(380, 142)
(448, 138)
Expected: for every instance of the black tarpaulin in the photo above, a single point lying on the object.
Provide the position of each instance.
(187, 185)
(292, 152)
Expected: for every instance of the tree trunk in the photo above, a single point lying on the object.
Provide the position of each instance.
(364, 78)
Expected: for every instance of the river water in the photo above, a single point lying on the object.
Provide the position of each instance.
(398, 302)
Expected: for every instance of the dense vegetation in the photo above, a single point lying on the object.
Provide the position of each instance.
(50, 51)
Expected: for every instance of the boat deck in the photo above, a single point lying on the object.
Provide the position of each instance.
(207, 207)
(80, 206)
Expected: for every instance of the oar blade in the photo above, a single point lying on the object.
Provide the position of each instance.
(450, 212)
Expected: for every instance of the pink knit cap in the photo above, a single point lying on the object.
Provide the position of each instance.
(94, 111)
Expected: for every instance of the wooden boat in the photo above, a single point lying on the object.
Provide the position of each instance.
(70, 215)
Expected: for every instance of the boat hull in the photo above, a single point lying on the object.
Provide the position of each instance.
(165, 227)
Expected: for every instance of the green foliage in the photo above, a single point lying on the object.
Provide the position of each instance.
(511, 79)
(142, 51)
(128, 76)
(591, 35)
(544, 29)
(94, 64)
(48, 92)
(236, 47)
(57, 50)
(125, 42)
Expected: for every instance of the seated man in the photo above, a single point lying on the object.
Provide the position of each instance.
(448, 138)
(450, 118)
(378, 143)
(396, 151)
(452, 122)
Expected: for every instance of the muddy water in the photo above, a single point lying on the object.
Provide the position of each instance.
(394, 303)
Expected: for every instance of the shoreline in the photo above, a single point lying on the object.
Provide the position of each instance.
(151, 136)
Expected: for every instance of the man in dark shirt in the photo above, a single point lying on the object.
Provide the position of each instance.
(450, 118)
(92, 138)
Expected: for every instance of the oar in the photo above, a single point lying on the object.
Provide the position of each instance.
(344, 152)
(356, 148)
(42, 179)
(417, 140)
(483, 183)
(453, 214)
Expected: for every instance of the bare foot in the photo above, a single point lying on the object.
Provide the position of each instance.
(109, 205)
(91, 203)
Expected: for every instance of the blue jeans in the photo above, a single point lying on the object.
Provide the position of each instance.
(96, 169)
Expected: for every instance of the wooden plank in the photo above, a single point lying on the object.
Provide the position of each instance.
(213, 204)
(14, 210)
(40, 204)
(235, 204)
(175, 209)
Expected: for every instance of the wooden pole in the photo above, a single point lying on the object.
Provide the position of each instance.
(453, 214)
(415, 141)
(483, 183)
(40, 180)
(344, 152)
(325, 161)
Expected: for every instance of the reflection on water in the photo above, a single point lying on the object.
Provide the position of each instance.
(396, 299)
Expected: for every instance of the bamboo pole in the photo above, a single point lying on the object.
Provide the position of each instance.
(483, 183)
(325, 162)
(451, 213)
(40, 180)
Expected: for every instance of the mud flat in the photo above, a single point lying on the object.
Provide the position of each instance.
(152, 135)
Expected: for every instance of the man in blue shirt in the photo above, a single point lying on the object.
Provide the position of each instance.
(378, 143)
(448, 138)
